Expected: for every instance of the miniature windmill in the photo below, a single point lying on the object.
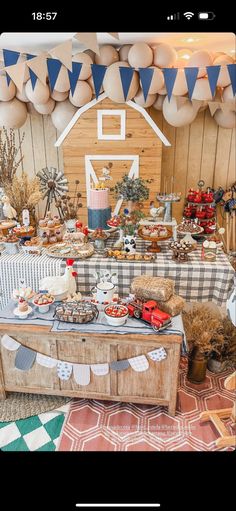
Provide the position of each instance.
(53, 185)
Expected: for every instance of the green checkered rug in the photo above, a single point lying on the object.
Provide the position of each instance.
(38, 433)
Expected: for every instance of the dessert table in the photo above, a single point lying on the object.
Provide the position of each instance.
(195, 280)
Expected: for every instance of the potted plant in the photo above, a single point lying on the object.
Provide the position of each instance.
(223, 356)
(204, 335)
(132, 190)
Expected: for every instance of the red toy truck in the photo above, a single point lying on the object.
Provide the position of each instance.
(149, 312)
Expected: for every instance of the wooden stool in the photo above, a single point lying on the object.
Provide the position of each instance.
(215, 416)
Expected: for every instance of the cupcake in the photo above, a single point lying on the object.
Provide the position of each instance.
(23, 305)
(42, 223)
(51, 223)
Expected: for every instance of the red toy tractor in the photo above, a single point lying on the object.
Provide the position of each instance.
(149, 312)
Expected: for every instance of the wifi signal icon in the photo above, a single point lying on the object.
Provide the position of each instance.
(188, 15)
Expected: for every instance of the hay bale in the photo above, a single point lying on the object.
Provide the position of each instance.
(173, 306)
(152, 288)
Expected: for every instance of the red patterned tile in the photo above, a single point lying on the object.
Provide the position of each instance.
(185, 402)
(98, 443)
(217, 402)
(123, 422)
(141, 445)
(85, 419)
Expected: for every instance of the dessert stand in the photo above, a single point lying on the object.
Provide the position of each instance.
(154, 247)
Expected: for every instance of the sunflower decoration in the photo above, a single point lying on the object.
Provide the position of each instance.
(53, 185)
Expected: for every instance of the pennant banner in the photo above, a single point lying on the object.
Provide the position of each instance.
(191, 77)
(17, 74)
(213, 74)
(139, 363)
(146, 75)
(33, 76)
(64, 370)
(114, 34)
(89, 39)
(10, 58)
(54, 67)
(39, 67)
(100, 369)
(170, 77)
(25, 358)
(74, 75)
(98, 73)
(126, 75)
(63, 52)
(81, 373)
(9, 343)
(232, 74)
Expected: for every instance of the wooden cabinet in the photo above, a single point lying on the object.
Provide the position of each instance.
(157, 385)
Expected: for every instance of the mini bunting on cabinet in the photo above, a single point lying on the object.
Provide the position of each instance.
(139, 363)
(126, 75)
(98, 73)
(74, 75)
(45, 361)
(146, 75)
(191, 77)
(213, 75)
(100, 369)
(232, 74)
(10, 59)
(170, 77)
(119, 365)
(54, 67)
(9, 343)
(158, 354)
(25, 358)
(64, 370)
(81, 373)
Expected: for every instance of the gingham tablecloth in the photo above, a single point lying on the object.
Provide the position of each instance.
(195, 280)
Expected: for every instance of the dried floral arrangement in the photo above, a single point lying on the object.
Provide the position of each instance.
(69, 204)
(132, 189)
(226, 352)
(24, 193)
(10, 155)
(203, 329)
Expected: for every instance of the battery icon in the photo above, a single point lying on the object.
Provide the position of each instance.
(206, 15)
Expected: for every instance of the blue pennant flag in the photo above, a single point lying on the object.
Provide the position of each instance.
(98, 73)
(74, 75)
(146, 75)
(126, 75)
(232, 74)
(10, 58)
(54, 67)
(33, 76)
(213, 74)
(191, 77)
(170, 77)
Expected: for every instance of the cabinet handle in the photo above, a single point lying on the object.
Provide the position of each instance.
(83, 339)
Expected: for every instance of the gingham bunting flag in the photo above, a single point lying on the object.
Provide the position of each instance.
(45, 361)
(9, 343)
(25, 358)
(64, 370)
(100, 369)
(81, 374)
(158, 354)
(139, 363)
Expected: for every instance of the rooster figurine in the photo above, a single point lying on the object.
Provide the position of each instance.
(8, 211)
(155, 212)
(61, 287)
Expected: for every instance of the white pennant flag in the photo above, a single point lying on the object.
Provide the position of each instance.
(158, 354)
(81, 374)
(100, 369)
(63, 52)
(17, 74)
(64, 370)
(45, 361)
(139, 363)
(89, 39)
(9, 343)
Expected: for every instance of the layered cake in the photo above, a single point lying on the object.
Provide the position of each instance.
(99, 211)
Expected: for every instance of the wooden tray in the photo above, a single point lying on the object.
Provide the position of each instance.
(82, 252)
(127, 257)
(154, 247)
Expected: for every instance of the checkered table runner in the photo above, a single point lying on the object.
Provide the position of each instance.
(195, 280)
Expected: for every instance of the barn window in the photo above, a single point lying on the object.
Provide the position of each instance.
(111, 124)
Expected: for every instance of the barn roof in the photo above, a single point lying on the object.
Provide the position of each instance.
(94, 102)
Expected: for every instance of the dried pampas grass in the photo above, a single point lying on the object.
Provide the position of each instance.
(203, 328)
(24, 193)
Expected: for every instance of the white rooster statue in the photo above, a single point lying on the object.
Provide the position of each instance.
(8, 211)
(155, 212)
(61, 287)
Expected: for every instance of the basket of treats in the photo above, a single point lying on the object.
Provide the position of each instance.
(23, 230)
(181, 250)
(76, 312)
(32, 246)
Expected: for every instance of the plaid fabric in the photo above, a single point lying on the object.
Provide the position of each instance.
(195, 280)
(139, 363)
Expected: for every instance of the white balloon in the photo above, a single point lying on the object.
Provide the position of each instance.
(59, 96)
(228, 94)
(108, 55)
(13, 114)
(225, 119)
(62, 114)
(21, 95)
(180, 87)
(157, 82)
(46, 108)
(223, 78)
(182, 117)
(124, 51)
(62, 84)
(112, 83)
(162, 91)
(202, 90)
(40, 93)
(6, 92)
(86, 60)
(159, 102)
(139, 98)
(140, 55)
(200, 58)
(164, 55)
(82, 94)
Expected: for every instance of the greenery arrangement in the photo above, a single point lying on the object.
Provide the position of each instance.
(129, 221)
(69, 204)
(24, 193)
(132, 189)
(10, 155)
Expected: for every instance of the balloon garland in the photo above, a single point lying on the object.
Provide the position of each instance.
(61, 104)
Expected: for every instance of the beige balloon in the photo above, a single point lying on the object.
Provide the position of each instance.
(91, 54)
(157, 82)
(180, 87)
(13, 114)
(62, 114)
(200, 58)
(150, 99)
(31, 110)
(159, 102)
(91, 84)
(6, 92)
(62, 84)
(46, 108)
(162, 91)
(108, 55)
(202, 90)
(164, 55)
(21, 95)
(86, 60)
(178, 117)
(223, 78)
(59, 96)
(112, 83)
(40, 94)
(124, 51)
(140, 55)
(228, 94)
(225, 119)
(82, 94)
